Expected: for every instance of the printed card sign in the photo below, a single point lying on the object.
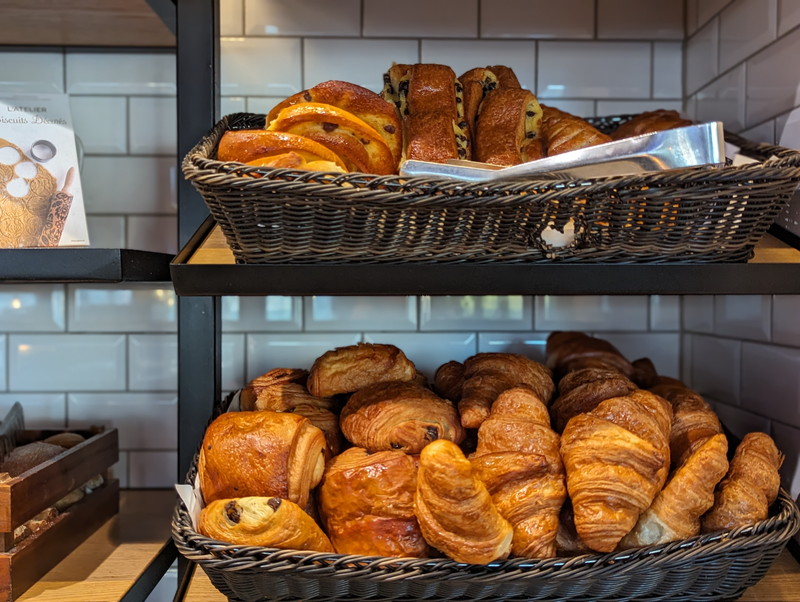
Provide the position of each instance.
(41, 202)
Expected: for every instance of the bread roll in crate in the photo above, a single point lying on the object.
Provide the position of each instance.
(55, 490)
(622, 491)
(315, 180)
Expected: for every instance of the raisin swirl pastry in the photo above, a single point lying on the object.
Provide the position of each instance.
(270, 522)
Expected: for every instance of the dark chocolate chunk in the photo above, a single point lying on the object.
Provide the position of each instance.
(232, 511)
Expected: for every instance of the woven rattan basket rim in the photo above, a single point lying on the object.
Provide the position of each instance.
(216, 555)
(198, 167)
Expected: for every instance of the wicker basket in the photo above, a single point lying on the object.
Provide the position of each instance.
(691, 215)
(708, 567)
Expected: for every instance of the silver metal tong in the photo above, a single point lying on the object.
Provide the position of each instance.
(690, 146)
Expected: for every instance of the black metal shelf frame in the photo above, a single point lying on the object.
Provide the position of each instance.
(200, 287)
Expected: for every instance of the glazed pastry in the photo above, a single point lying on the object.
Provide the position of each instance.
(689, 493)
(448, 380)
(519, 461)
(568, 542)
(507, 130)
(649, 122)
(246, 146)
(454, 509)
(270, 522)
(571, 350)
(582, 390)
(564, 132)
(353, 367)
(486, 375)
(273, 454)
(693, 420)
(398, 416)
(281, 390)
(355, 141)
(644, 373)
(361, 102)
(327, 422)
(616, 459)
(366, 503)
(749, 488)
(294, 160)
(506, 78)
(476, 83)
(429, 100)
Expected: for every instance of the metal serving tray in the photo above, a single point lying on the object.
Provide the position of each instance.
(690, 146)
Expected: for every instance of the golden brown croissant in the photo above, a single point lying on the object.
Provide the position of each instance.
(519, 461)
(262, 521)
(582, 390)
(280, 390)
(693, 420)
(509, 121)
(398, 416)
(273, 454)
(448, 381)
(689, 493)
(454, 509)
(649, 122)
(616, 458)
(571, 350)
(564, 132)
(486, 375)
(506, 78)
(353, 367)
(750, 486)
(366, 502)
(644, 373)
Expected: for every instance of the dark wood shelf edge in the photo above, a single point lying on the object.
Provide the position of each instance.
(66, 265)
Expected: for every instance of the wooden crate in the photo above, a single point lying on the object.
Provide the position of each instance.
(24, 496)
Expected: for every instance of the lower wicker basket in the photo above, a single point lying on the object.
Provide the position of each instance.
(709, 567)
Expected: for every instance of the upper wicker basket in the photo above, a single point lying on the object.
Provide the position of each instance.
(692, 215)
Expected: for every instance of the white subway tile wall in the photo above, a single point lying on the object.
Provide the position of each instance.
(98, 353)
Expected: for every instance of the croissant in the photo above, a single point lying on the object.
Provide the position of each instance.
(644, 373)
(563, 132)
(616, 458)
(454, 509)
(749, 488)
(486, 375)
(571, 350)
(689, 493)
(398, 416)
(519, 461)
(280, 390)
(448, 380)
(649, 122)
(582, 390)
(262, 521)
(693, 420)
(366, 503)
(272, 454)
(353, 367)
